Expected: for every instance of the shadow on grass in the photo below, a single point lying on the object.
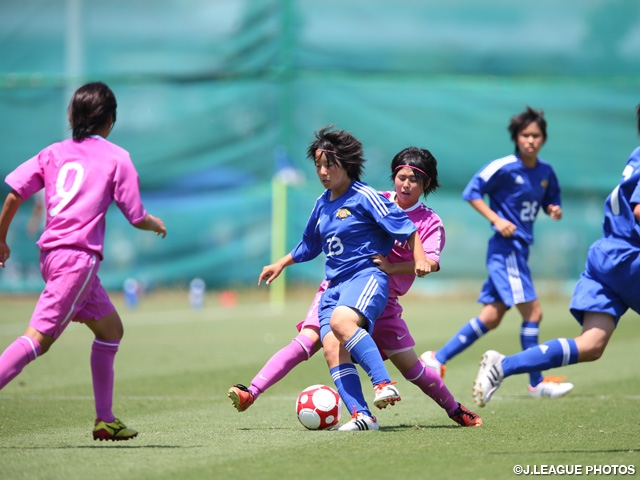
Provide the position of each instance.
(400, 428)
(66, 447)
(546, 452)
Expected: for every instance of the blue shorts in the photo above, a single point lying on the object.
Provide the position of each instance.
(611, 281)
(366, 292)
(509, 279)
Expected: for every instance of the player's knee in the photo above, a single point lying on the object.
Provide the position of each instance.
(491, 323)
(342, 328)
(590, 352)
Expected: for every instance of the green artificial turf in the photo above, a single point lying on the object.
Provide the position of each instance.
(175, 365)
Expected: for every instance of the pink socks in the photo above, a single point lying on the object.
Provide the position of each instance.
(281, 363)
(103, 354)
(17, 355)
(430, 383)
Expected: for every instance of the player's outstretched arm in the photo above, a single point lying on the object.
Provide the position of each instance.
(9, 209)
(271, 272)
(153, 224)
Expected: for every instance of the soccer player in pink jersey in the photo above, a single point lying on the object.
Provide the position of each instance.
(414, 173)
(81, 177)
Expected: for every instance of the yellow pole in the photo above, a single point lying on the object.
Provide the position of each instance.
(278, 238)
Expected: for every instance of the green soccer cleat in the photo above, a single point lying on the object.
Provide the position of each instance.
(114, 431)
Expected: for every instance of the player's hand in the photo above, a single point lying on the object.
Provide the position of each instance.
(555, 212)
(158, 226)
(5, 253)
(269, 273)
(422, 268)
(381, 262)
(505, 227)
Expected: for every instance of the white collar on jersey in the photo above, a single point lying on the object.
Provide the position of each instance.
(411, 208)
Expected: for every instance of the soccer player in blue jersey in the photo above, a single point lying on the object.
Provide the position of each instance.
(518, 186)
(607, 288)
(350, 223)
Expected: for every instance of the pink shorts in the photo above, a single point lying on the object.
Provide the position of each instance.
(391, 332)
(311, 320)
(72, 292)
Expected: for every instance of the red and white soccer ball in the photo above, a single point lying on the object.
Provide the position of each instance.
(319, 407)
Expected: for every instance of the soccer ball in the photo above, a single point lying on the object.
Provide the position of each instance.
(319, 407)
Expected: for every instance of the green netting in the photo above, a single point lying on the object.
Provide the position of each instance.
(215, 97)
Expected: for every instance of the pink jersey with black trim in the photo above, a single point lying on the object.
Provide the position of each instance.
(432, 235)
(80, 180)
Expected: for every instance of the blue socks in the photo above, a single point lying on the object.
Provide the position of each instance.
(554, 353)
(365, 351)
(347, 381)
(529, 339)
(469, 333)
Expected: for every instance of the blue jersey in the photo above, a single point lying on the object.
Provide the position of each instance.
(351, 229)
(609, 283)
(516, 192)
(619, 220)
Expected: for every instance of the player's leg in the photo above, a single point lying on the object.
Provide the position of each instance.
(488, 319)
(301, 348)
(495, 296)
(346, 325)
(523, 294)
(108, 331)
(396, 343)
(358, 302)
(21, 352)
(65, 272)
(347, 381)
(408, 363)
(539, 386)
(597, 329)
(99, 314)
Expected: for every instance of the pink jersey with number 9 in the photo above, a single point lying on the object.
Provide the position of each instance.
(80, 181)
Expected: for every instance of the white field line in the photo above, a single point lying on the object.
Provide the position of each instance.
(168, 317)
(159, 398)
(271, 398)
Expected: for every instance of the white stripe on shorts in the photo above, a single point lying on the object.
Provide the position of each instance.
(94, 264)
(514, 279)
(365, 297)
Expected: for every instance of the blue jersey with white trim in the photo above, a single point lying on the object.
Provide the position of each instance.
(516, 192)
(619, 220)
(352, 228)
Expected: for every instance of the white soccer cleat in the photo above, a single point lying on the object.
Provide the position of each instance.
(360, 421)
(386, 394)
(551, 387)
(489, 377)
(429, 360)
